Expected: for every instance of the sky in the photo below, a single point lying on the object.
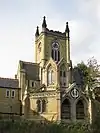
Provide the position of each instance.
(19, 19)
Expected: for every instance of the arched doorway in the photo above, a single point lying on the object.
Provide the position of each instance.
(66, 109)
(80, 110)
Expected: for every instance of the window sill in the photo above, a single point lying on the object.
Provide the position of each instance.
(7, 96)
(12, 97)
(50, 85)
(42, 112)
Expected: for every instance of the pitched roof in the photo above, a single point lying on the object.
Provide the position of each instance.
(31, 69)
(9, 83)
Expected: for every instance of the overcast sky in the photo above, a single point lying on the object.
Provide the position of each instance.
(19, 18)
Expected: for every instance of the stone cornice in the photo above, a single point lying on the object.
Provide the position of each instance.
(44, 94)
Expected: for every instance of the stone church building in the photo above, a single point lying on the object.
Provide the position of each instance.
(47, 89)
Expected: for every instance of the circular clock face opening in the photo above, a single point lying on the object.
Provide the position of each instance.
(75, 93)
(55, 45)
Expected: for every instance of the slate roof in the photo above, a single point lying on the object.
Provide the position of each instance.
(9, 83)
(31, 69)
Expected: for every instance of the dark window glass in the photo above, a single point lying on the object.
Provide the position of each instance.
(13, 93)
(66, 109)
(52, 54)
(58, 56)
(32, 84)
(38, 106)
(64, 74)
(80, 110)
(64, 84)
(7, 93)
(55, 55)
(60, 73)
(43, 106)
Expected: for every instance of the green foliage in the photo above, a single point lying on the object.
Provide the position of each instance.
(34, 127)
(85, 73)
(89, 71)
(96, 122)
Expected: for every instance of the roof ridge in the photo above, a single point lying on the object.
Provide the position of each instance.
(29, 62)
(8, 78)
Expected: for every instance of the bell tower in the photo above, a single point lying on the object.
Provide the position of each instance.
(55, 46)
(52, 44)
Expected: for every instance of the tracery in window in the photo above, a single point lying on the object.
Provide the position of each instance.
(55, 52)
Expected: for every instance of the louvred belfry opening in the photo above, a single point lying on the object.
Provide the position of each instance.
(55, 52)
(66, 109)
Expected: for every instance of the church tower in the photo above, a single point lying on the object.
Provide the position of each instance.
(52, 52)
(47, 89)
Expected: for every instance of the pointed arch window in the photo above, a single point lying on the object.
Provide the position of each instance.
(63, 75)
(66, 109)
(80, 110)
(41, 106)
(50, 76)
(55, 52)
(38, 105)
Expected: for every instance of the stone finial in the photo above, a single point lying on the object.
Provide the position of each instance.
(37, 32)
(67, 28)
(44, 25)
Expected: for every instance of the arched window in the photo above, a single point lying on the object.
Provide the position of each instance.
(66, 109)
(38, 105)
(55, 52)
(50, 76)
(43, 106)
(63, 75)
(80, 110)
(53, 77)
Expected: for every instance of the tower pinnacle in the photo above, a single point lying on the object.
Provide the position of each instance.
(67, 28)
(44, 25)
(37, 32)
